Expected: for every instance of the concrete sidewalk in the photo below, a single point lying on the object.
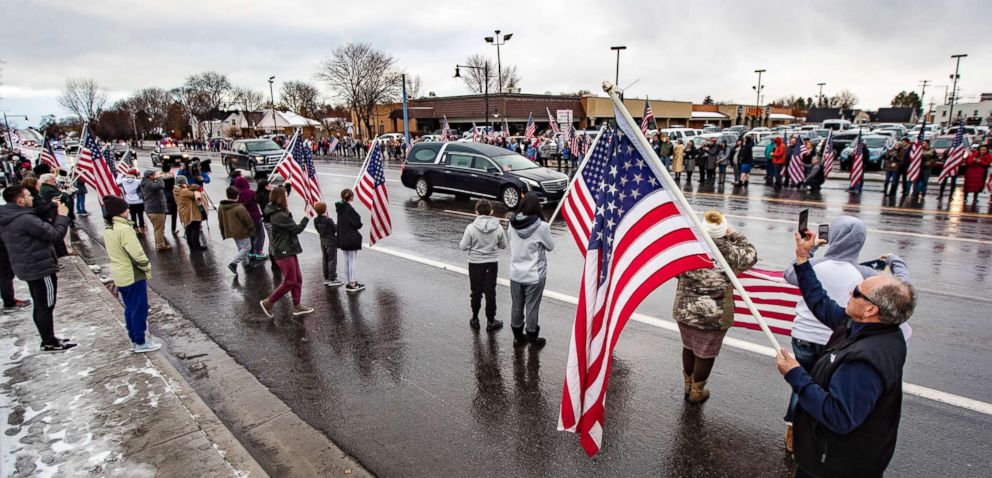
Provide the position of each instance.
(99, 409)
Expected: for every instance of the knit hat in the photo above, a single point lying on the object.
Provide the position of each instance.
(181, 181)
(114, 206)
(147, 172)
(714, 224)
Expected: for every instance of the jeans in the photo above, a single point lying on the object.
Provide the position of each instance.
(921, 182)
(482, 281)
(723, 172)
(137, 214)
(43, 293)
(193, 236)
(135, 298)
(893, 177)
(329, 253)
(244, 247)
(258, 240)
(80, 203)
(525, 305)
(667, 161)
(292, 280)
(806, 354)
(349, 266)
(158, 224)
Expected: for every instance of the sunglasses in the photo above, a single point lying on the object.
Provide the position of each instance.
(857, 294)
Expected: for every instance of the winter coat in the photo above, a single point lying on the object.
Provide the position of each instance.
(44, 205)
(483, 239)
(285, 232)
(30, 241)
(929, 157)
(128, 262)
(189, 211)
(713, 154)
(234, 221)
(692, 156)
(704, 298)
(327, 230)
(247, 197)
(974, 174)
(814, 177)
(170, 199)
(132, 189)
(349, 223)
(747, 153)
(530, 238)
(153, 194)
(678, 158)
(778, 154)
(666, 149)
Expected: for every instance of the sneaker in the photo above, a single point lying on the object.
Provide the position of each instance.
(474, 323)
(233, 268)
(333, 283)
(354, 287)
(266, 307)
(494, 325)
(18, 304)
(148, 346)
(57, 347)
(300, 309)
(261, 257)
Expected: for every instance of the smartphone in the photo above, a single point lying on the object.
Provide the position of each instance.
(803, 222)
(876, 264)
(822, 231)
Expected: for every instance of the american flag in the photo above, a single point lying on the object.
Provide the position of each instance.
(491, 135)
(371, 190)
(552, 122)
(955, 156)
(578, 205)
(476, 134)
(574, 147)
(828, 153)
(125, 165)
(640, 239)
(445, 130)
(506, 128)
(797, 170)
(298, 168)
(531, 128)
(648, 117)
(93, 168)
(47, 156)
(916, 156)
(332, 147)
(775, 298)
(857, 163)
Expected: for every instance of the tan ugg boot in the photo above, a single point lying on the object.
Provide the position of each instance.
(788, 440)
(688, 385)
(698, 393)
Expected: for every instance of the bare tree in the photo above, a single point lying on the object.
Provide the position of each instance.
(203, 93)
(150, 103)
(475, 75)
(300, 97)
(362, 77)
(84, 98)
(247, 99)
(413, 85)
(844, 99)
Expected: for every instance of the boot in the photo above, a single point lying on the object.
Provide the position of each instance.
(519, 339)
(688, 385)
(698, 393)
(788, 440)
(474, 323)
(300, 309)
(535, 340)
(494, 324)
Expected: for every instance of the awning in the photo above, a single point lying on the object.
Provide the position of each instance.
(285, 119)
(781, 116)
(709, 115)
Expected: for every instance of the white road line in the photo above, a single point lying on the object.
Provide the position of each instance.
(912, 389)
(354, 177)
(880, 231)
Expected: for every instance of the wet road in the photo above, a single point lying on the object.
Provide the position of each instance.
(398, 380)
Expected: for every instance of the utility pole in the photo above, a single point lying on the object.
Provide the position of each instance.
(406, 119)
(954, 89)
(272, 103)
(499, 41)
(616, 80)
(922, 93)
(819, 101)
(757, 93)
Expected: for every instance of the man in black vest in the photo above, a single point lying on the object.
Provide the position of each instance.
(849, 405)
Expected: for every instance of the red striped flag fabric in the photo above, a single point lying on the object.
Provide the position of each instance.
(775, 299)
(648, 119)
(578, 205)
(93, 168)
(640, 239)
(124, 166)
(857, 163)
(47, 156)
(916, 157)
(372, 192)
(828, 154)
(552, 122)
(476, 134)
(298, 168)
(531, 129)
(445, 130)
(955, 156)
(797, 170)
(332, 147)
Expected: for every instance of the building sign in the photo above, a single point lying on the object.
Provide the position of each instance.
(564, 116)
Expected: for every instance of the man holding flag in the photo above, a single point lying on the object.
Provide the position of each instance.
(953, 159)
(857, 166)
(531, 129)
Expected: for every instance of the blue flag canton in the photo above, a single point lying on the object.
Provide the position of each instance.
(627, 180)
(303, 156)
(958, 137)
(595, 168)
(374, 168)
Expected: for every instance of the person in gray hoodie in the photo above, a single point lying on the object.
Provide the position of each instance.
(839, 272)
(530, 239)
(153, 193)
(483, 239)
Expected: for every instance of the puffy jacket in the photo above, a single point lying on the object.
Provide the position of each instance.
(483, 239)
(234, 221)
(327, 230)
(153, 193)
(247, 197)
(666, 149)
(186, 205)
(285, 232)
(128, 262)
(30, 241)
(530, 238)
(132, 189)
(349, 223)
(704, 298)
(778, 154)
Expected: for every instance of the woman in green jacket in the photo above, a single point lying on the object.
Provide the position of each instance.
(285, 247)
(130, 270)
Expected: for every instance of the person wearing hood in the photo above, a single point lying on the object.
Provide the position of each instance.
(704, 306)
(328, 232)
(285, 248)
(46, 193)
(247, 198)
(130, 269)
(30, 246)
(131, 186)
(678, 160)
(839, 272)
(530, 240)
(153, 194)
(235, 223)
(189, 212)
(776, 168)
(169, 180)
(349, 238)
(743, 170)
(483, 239)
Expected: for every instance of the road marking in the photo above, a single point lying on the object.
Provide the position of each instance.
(353, 177)
(912, 389)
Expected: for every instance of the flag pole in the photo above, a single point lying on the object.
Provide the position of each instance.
(285, 152)
(75, 170)
(365, 163)
(630, 128)
(578, 172)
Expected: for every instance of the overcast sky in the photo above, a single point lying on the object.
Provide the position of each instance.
(680, 50)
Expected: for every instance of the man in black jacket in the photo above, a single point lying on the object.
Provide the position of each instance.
(30, 242)
(850, 404)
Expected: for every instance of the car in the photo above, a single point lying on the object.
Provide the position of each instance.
(756, 136)
(738, 129)
(928, 131)
(70, 145)
(676, 134)
(171, 154)
(258, 156)
(898, 132)
(758, 150)
(386, 138)
(479, 170)
(836, 124)
(877, 145)
(430, 137)
(728, 138)
(941, 144)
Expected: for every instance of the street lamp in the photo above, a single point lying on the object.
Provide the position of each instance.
(485, 81)
(819, 101)
(757, 92)
(499, 41)
(272, 103)
(616, 80)
(954, 89)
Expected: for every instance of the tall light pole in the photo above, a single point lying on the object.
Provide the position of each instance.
(485, 81)
(819, 101)
(499, 41)
(922, 93)
(757, 93)
(954, 89)
(406, 118)
(272, 103)
(616, 80)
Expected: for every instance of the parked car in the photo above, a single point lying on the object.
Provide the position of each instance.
(386, 138)
(163, 154)
(941, 144)
(724, 137)
(258, 156)
(837, 124)
(430, 137)
(479, 170)
(70, 145)
(877, 146)
(675, 134)
(738, 130)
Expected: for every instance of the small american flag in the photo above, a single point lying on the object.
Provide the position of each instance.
(828, 153)
(775, 299)
(573, 146)
(916, 156)
(298, 168)
(125, 165)
(640, 239)
(857, 163)
(332, 147)
(372, 192)
(955, 156)
(47, 156)
(93, 168)
(491, 135)
(648, 118)
(506, 129)
(476, 134)
(797, 170)
(552, 122)
(531, 128)
(445, 130)
(579, 204)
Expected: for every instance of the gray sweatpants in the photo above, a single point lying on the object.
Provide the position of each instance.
(525, 304)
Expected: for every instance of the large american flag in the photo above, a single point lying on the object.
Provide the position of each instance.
(47, 156)
(298, 168)
(445, 130)
(372, 192)
(93, 169)
(574, 147)
(552, 122)
(916, 156)
(857, 163)
(774, 298)
(531, 129)
(955, 156)
(579, 204)
(828, 154)
(640, 239)
(797, 170)
(648, 117)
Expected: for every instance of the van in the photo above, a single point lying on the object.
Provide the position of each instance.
(837, 124)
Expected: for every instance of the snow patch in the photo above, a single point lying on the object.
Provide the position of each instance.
(85, 373)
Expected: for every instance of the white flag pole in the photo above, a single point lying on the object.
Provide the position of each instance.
(285, 153)
(75, 162)
(578, 172)
(631, 129)
(365, 163)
